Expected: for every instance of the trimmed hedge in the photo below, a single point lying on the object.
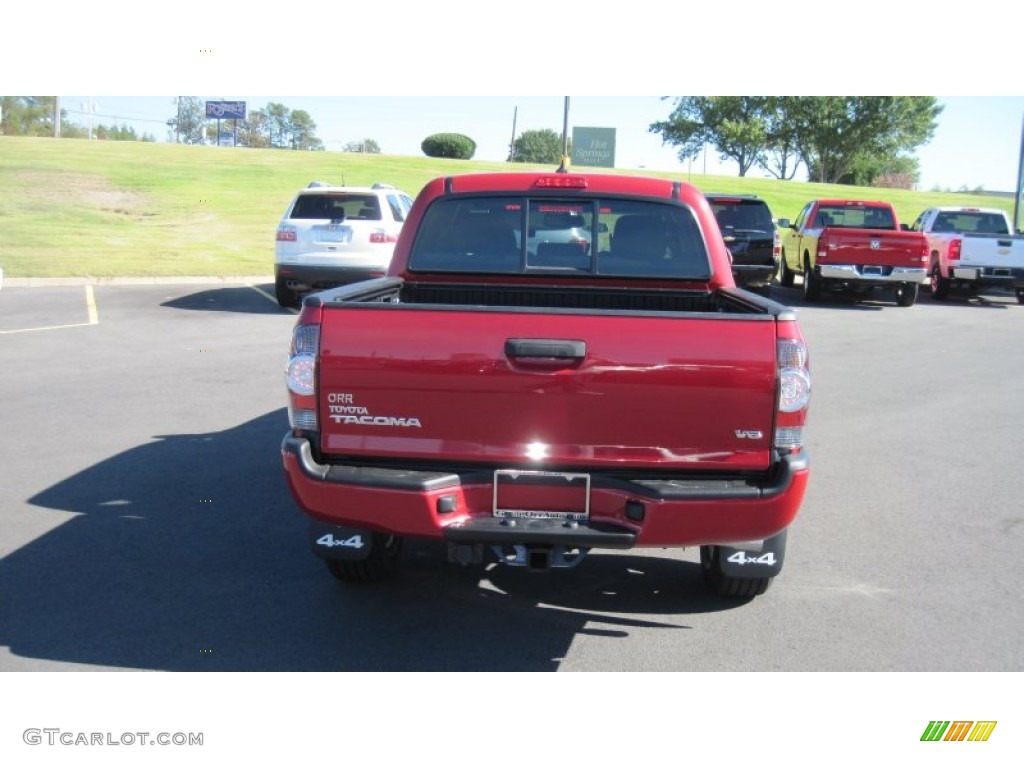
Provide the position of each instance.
(449, 145)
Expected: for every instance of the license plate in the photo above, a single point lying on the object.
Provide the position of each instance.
(334, 233)
(965, 274)
(537, 495)
(872, 270)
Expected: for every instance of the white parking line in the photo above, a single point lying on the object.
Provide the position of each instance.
(270, 298)
(90, 308)
(90, 305)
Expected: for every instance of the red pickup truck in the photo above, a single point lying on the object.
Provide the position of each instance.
(853, 246)
(529, 399)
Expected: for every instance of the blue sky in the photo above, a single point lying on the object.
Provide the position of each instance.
(399, 71)
(989, 125)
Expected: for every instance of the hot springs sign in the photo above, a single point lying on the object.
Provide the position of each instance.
(593, 147)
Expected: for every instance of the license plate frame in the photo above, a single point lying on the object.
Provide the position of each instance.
(514, 489)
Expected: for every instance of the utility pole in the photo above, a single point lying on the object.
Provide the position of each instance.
(565, 138)
(512, 144)
(1020, 183)
(90, 107)
(56, 117)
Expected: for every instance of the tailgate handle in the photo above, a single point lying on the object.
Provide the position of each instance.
(546, 349)
(1004, 243)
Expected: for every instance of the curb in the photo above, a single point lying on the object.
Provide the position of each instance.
(45, 282)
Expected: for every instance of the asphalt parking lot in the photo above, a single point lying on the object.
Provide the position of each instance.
(146, 524)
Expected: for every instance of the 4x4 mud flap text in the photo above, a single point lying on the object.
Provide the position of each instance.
(337, 542)
(754, 562)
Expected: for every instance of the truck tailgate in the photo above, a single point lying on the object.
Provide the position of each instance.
(875, 247)
(999, 251)
(572, 389)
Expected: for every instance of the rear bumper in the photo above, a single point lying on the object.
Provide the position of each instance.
(857, 273)
(624, 512)
(753, 274)
(301, 276)
(992, 276)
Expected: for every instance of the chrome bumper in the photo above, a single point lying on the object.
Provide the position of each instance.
(868, 274)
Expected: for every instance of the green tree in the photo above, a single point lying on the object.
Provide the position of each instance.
(453, 145)
(737, 127)
(837, 132)
(302, 131)
(190, 119)
(540, 146)
(117, 132)
(279, 123)
(254, 131)
(27, 115)
(867, 170)
(781, 156)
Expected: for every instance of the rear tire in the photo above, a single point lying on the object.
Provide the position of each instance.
(907, 294)
(723, 585)
(812, 283)
(381, 563)
(940, 285)
(785, 273)
(286, 297)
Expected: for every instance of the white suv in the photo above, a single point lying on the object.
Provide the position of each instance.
(332, 236)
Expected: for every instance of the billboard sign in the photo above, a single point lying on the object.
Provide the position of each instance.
(223, 110)
(594, 147)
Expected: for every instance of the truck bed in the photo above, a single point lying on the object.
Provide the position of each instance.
(569, 297)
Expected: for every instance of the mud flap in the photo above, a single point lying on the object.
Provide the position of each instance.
(337, 542)
(754, 561)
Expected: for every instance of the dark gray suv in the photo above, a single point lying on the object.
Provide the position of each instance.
(751, 237)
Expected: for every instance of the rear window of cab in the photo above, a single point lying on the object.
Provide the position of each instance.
(592, 237)
(742, 215)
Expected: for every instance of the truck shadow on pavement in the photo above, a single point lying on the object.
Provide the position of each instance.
(968, 299)
(188, 553)
(245, 299)
(793, 297)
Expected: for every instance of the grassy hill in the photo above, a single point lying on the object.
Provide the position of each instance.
(91, 208)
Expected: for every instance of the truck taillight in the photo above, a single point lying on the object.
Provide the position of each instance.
(954, 249)
(794, 394)
(776, 246)
(287, 235)
(300, 375)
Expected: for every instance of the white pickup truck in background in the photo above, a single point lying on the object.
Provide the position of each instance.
(972, 247)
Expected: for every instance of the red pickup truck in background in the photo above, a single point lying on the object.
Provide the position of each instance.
(853, 246)
(531, 402)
